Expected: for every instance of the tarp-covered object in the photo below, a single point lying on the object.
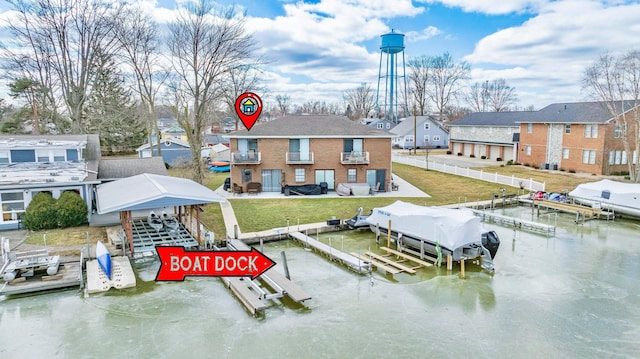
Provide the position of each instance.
(452, 228)
(621, 197)
(148, 191)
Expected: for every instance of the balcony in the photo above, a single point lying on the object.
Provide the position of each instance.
(251, 157)
(354, 158)
(299, 158)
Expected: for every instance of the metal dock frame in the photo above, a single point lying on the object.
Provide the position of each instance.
(516, 223)
(351, 262)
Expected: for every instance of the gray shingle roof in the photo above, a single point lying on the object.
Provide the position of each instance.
(310, 126)
(406, 126)
(563, 112)
(501, 119)
(113, 168)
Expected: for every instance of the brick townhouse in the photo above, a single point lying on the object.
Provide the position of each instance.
(580, 137)
(310, 149)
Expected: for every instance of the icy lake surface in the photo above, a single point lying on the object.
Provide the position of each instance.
(573, 295)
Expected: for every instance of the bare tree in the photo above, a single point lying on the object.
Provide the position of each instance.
(138, 37)
(494, 96)
(478, 96)
(419, 71)
(445, 81)
(239, 80)
(283, 103)
(205, 45)
(615, 81)
(64, 36)
(361, 101)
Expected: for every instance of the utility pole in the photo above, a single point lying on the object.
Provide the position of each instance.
(415, 132)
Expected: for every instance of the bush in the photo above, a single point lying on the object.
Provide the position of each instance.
(71, 210)
(448, 152)
(499, 159)
(509, 163)
(41, 213)
(472, 156)
(459, 153)
(483, 157)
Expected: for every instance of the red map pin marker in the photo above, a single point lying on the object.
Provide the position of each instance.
(248, 108)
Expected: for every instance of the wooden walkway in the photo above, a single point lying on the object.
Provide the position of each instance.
(354, 263)
(582, 212)
(391, 266)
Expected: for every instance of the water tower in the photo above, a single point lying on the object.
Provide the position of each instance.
(387, 102)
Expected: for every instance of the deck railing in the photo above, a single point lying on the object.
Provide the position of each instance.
(246, 158)
(297, 158)
(354, 157)
(512, 181)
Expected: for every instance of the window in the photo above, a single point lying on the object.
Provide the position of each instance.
(529, 127)
(427, 125)
(42, 155)
(567, 128)
(612, 158)
(436, 138)
(4, 156)
(619, 130)
(58, 155)
(618, 157)
(591, 131)
(527, 150)
(589, 156)
(408, 138)
(12, 205)
(565, 153)
(379, 125)
(426, 139)
(299, 174)
(388, 125)
(352, 175)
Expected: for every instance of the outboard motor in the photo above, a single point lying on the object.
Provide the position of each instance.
(491, 242)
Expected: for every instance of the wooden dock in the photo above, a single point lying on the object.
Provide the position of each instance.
(354, 263)
(253, 296)
(517, 223)
(391, 266)
(582, 213)
(68, 276)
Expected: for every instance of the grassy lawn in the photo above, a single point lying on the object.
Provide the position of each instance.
(262, 214)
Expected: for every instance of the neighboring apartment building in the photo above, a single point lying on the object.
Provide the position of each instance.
(580, 137)
(309, 149)
(45, 163)
(490, 134)
(428, 133)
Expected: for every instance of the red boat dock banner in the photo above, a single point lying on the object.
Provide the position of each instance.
(176, 263)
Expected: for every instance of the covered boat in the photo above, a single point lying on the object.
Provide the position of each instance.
(617, 196)
(457, 232)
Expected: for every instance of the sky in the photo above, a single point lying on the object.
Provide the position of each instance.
(317, 49)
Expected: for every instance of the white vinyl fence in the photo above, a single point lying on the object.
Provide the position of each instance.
(512, 181)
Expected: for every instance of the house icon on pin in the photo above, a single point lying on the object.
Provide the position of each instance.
(248, 107)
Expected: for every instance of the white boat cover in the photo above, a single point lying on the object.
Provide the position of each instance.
(623, 197)
(452, 228)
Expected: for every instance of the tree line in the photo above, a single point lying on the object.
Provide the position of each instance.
(104, 66)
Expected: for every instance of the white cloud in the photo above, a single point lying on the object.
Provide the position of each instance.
(425, 34)
(492, 7)
(553, 48)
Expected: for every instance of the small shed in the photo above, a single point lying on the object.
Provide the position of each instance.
(149, 191)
